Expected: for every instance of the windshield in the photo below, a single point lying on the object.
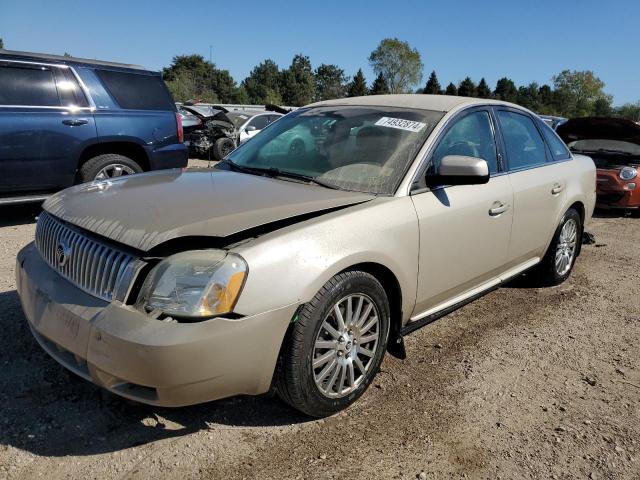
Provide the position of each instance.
(594, 145)
(365, 149)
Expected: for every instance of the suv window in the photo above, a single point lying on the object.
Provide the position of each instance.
(472, 136)
(28, 86)
(558, 149)
(259, 122)
(137, 91)
(524, 145)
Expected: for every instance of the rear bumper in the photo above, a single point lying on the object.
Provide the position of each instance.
(150, 361)
(613, 192)
(171, 156)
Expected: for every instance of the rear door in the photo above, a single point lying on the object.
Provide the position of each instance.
(538, 184)
(464, 229)
(45, 122)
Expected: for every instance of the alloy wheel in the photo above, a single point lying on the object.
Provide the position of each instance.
(346, 346)
(114, 170)
(566, 247)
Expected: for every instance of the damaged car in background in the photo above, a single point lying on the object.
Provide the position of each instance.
(315, 261)
(614, 146)
(212, 131)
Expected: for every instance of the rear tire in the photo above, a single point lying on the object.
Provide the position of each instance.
(106, 166)
(557, 264)
(223, 147)
(322, 345)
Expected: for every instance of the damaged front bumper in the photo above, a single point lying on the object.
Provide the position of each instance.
(167, 364)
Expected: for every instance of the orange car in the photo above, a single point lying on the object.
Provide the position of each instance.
(614, 146)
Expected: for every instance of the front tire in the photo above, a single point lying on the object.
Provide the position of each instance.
(223, 147)
(557, 264)
(335, 347)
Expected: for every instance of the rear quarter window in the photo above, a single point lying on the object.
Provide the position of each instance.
(559, 150)
(135, 91)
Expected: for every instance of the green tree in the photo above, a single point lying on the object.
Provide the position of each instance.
(506, 90)
(546, 100)
(331, 82)
(577, 92)
(483, 90)
(451, 89)
(380, 86)
(399, 64)
(433, 85)
(630, 111)
(1, 43)
(263, 84)
(467, 88)
(297, 82)
(602, 107)
(358, 85)
(528, 97)
(192, 77)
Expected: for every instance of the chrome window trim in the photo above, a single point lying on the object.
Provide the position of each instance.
(83, 87)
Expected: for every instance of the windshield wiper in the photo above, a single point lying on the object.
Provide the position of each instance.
(276, 172)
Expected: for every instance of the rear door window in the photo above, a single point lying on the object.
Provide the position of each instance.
(524, 145)
(135, 91)
(28, 86)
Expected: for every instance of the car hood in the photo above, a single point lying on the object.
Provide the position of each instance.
(599, 128)
(146, 210)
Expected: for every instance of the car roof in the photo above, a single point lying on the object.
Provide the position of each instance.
(440, 103)
(30, 56)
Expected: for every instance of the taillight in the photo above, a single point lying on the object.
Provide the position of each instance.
(180, 131)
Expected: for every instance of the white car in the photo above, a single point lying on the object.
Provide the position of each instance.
(250, 123)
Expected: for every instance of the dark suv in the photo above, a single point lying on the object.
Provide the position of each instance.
(66, 120)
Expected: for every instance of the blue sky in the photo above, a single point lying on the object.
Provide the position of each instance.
(527, 41)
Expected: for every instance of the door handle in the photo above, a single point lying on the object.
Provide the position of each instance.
(498, 208)
(75, 122)
(557, 188)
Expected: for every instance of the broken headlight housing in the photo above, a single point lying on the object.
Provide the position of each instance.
(195, 284)
(628, 173)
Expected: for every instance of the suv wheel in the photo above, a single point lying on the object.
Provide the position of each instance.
(558, 262)
(335, 348)
(223, 147)
(109, 165)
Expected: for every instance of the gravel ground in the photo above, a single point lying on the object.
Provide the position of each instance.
(523, 383)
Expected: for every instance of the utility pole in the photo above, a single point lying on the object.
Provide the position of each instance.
(210, 53)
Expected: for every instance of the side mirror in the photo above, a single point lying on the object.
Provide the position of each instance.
(250, 128)
(460, 170)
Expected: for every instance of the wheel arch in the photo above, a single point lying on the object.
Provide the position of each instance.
(131, 150)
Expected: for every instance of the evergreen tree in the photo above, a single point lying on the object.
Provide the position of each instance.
(1, 43)
(467, 88)
(358, 86)
(483, 90)
(433, 85)
(330, 82)
(528, 97)
(298, 83)
(506, 90)
(379, 86)
(451, 89)
(263, 84)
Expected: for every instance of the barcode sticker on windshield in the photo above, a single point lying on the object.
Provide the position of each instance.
(401, 124)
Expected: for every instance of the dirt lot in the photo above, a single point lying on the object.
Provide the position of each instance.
(524, 383)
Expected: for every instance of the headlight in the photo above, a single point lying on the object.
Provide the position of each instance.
(628, 173)
(198, 284)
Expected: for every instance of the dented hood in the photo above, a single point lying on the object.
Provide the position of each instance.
(146, 210)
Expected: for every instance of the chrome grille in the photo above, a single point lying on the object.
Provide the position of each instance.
(91, 265)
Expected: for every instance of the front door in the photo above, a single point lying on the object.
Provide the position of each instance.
(464, 229)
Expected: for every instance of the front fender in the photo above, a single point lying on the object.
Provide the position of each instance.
(291, 265)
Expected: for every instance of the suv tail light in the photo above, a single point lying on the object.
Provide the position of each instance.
(180, 131)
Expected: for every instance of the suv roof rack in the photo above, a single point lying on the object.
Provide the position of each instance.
(63, 58)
